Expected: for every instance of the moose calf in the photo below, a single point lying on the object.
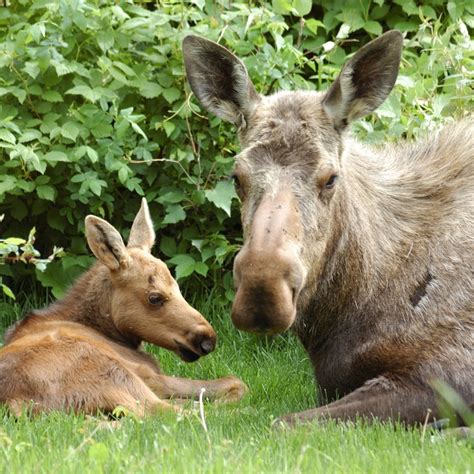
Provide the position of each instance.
(83, 352)
(367, 253)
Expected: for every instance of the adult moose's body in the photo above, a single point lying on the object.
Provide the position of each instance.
(367, 253)
(83, 352)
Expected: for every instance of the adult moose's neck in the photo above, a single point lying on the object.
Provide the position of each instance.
(370, 238)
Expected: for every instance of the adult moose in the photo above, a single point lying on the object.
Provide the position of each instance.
(83, 352)
(367, 253)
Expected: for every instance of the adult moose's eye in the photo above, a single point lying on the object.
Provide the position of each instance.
(156, 299)
(331, 181)
(236, 180)
(237, 185)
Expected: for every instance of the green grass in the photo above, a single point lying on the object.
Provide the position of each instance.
(239, 437)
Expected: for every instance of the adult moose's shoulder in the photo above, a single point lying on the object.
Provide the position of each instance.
(367, 254)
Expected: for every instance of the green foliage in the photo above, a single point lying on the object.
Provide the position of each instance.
(16, 250)
(95, 110)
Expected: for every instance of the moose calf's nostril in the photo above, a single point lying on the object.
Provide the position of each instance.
(207, 345)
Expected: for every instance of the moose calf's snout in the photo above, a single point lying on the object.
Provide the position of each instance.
(207, 345)
(205, 342)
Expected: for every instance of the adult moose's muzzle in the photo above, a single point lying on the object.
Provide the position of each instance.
(267, 271)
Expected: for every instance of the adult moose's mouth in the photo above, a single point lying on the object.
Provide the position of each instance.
(186, 354)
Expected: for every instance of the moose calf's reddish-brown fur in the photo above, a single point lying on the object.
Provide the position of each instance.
(367, 253)
(83, 352)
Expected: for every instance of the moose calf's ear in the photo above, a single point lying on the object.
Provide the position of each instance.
(142, 234)
(105, 242)
(219, 80)
(365, 80)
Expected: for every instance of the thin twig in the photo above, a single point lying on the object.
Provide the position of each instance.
(425, 424)
(169, 160)
(201, 409)
(222, 33)
(84, 441)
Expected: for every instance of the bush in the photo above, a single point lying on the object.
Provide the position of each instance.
(95, 110)
(14, 250)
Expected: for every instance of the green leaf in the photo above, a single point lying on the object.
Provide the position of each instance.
(7, 291)
(409, 6)
(302, 7)
(150, 90)
(281, 6)
(56, 277)
(313, 25)
(172, 197)
(105, 40)
(55, 220)
(70, 130)
(46, 192)
(52, 96)
(123, 174)
(201, 268)
(20, 94)
(96, 186)
(15, 241)
(174, 213)
(86, 92)
(29, 135)
(168, 246)
(185, 265)
(169, 128)
(7, 136)
(428, 11)
(123, 67)
(172, 94)
(221, 196)
(92, 154)
(373, 27)
(32, 69)
(55, 156)
(7, 183)
(138, 130)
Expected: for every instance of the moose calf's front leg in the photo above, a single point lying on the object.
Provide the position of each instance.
(228, 389)
(381, 399)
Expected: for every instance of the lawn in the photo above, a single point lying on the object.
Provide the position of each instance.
(239, 437)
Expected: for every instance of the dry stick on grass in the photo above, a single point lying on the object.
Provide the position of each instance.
(425, 424)
(202, 418)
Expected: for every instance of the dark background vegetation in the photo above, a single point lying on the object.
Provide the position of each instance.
(95, 113)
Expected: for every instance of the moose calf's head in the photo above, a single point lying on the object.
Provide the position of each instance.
(145, 300)
(290, 172)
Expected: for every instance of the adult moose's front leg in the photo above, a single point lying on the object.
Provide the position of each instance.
(380, 399)
(226, 389)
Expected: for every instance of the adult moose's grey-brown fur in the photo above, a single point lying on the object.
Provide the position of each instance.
(367, 253)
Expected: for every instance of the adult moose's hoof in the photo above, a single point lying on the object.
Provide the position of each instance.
(294, 419)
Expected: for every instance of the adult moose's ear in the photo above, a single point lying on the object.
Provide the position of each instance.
(105, 242)
(365, 80)
(219, 80)
(142, 234)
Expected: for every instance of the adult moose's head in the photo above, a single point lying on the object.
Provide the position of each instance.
(290, 172)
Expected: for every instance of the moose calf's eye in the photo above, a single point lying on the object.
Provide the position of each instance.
(156, 299)
(331, 181)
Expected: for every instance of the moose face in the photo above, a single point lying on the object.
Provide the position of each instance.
(145, 300)
(287, 180)
(290, 173)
